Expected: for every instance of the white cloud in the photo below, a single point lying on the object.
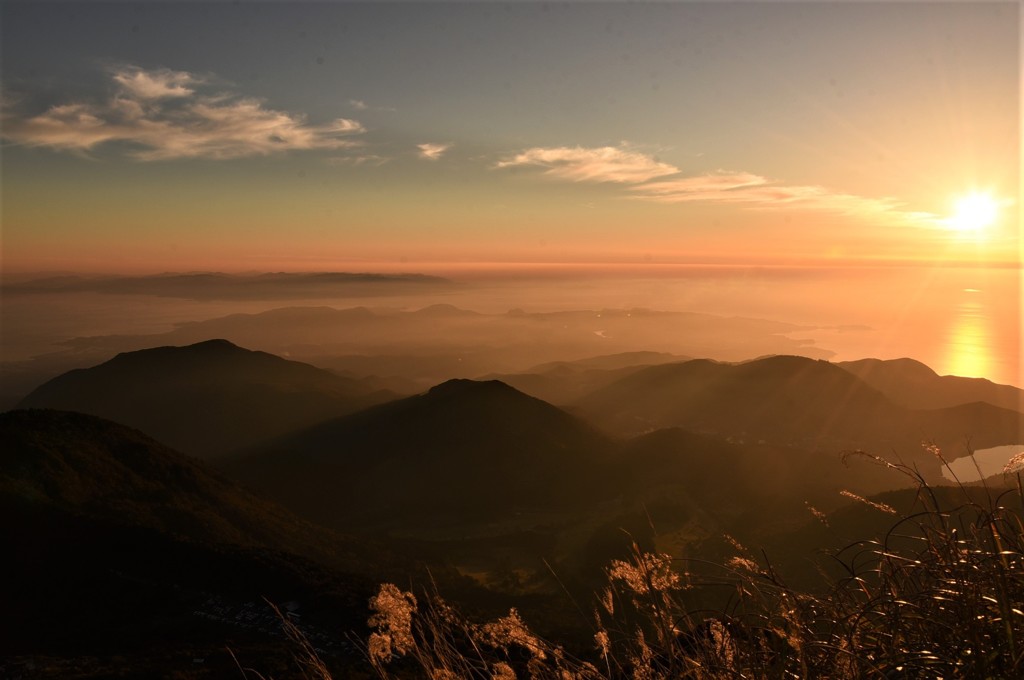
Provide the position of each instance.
(69, 126)
(161, 114)
(603, 164)
(432, 152)
(156, 84)
(358, 104)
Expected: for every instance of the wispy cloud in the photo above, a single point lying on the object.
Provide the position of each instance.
(602, 164)
(371, 160)
(650, 179)
(363, 105)
(755, 191)
(718, 186)
(164, 115)
(432, 152)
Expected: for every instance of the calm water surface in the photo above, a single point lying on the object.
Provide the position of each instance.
(990, 462)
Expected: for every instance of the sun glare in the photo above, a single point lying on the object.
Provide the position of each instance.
(973, 213)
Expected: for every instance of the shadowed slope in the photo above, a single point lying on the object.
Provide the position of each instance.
(120, 546)
(752, 487)
(467, 448)
(76, 463)
(205, 399)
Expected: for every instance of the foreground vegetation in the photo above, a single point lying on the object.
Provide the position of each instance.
(940, 595)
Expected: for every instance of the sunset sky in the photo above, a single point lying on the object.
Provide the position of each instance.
(143, 136)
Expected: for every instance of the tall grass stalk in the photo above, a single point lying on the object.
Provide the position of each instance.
(940, 594)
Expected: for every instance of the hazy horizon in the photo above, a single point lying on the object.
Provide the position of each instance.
(959, 321)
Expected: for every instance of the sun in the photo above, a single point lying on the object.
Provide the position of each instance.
(973, 213)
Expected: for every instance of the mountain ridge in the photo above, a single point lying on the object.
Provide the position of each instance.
(208, 398)
(913, 384)
(788, 400)
(121, 546)
(462, 446)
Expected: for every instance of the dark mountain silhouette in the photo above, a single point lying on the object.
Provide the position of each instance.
(78, 463)
(116, 545)
(465, 449)
(791, 401)
(759, 396)
(206, 399)
(128, 559)
(912, 384)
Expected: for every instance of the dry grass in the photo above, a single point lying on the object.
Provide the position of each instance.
(940, 595)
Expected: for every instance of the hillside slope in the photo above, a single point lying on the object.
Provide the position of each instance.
(465, 448)
(792, 401)
(121, 551)
(912, 384)
(206, 399)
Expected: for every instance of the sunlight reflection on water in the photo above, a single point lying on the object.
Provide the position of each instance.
(969, 347)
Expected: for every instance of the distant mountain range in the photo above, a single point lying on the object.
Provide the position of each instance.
(905, 382)
(791, 401)
(440, 342)
(206, 399)
(483, 448)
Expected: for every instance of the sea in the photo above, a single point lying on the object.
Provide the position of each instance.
(962, 321)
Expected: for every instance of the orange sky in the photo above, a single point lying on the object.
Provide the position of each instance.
(165, 137)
